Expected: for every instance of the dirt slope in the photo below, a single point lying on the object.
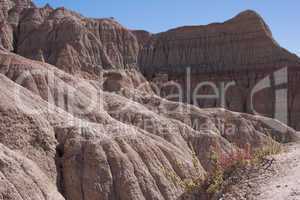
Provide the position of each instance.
(281, 181)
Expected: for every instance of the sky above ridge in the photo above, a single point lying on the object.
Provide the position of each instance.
(160, 15)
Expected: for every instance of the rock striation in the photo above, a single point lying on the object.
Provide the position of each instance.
(241, 49)
(9, 18)
(84, 142)
(78, 120)
(70, 41)
(237, 44)
(143, 37)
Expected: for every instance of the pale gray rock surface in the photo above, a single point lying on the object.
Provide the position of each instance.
(241, 49)
(78, 120)
(120, 149)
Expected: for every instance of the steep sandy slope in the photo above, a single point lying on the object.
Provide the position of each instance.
(125, 147)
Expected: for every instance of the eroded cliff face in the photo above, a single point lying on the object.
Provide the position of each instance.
(90, 126)
(244, 42)
(240, 50)
(86, 142)
(143, 37)
(68, 40)
(9, 18)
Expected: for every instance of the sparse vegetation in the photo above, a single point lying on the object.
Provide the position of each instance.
(225, 167)
(272, 148)
(217, 177)
(190, 184)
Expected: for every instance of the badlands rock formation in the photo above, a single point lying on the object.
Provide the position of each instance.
(89, 126)
(241, 50)
(64, 137)
(9, 19)
(67, 39)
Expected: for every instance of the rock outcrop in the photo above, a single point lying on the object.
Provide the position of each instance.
(78, 120)
(240, 50)
(9, 18)
(68, 40)
(244, 42)
(143, 37)
(88, 143)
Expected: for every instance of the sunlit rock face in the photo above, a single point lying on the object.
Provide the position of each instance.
(66, 137)
(235, 56)
(67, 39)
(10, 11)
(79, 121)
(240, 50)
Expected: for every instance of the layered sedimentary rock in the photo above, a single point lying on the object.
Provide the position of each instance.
(143, 37)
(90, 126)
(68, 40)
(240, 50)
(89, 143)
(21, 178)
(240, 43)
(9, 18)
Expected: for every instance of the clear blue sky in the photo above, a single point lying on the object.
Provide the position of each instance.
(283, 17)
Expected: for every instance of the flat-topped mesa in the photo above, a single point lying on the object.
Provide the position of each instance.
(241, 42)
